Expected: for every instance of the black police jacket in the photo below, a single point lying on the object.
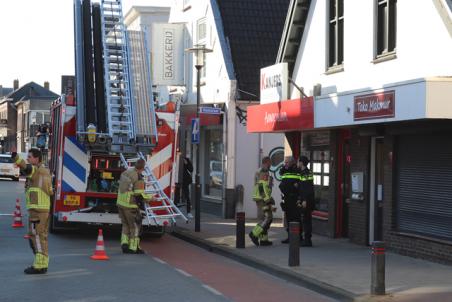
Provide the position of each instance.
(290, 183)
(307, 187)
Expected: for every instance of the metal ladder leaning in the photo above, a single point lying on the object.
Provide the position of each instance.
(116, 73)
(153, 187)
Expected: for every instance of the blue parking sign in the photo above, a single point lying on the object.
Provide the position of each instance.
(195, 131)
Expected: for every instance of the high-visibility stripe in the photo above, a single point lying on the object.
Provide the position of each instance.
(290, 177)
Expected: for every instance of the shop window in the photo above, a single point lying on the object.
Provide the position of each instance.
(336, 33)
(213, 165)
(386, 27)
(320, 166)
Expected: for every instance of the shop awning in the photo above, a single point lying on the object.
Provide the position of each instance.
(290, 115)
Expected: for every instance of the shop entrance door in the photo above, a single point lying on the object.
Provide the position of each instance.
(376, 190)
(344, 184)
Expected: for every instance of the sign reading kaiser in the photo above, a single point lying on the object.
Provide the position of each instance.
(274, 83)
(374, 106)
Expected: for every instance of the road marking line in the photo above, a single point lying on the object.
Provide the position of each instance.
(183, 272)
(159, 260)
(46, 277)
(69, 255)
(78, 270)
(212, 290)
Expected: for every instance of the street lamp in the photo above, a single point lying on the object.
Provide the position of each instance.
(199, 51)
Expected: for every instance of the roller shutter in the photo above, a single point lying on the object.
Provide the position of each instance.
(425, 184)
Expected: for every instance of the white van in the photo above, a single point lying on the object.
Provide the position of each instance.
(8, 168)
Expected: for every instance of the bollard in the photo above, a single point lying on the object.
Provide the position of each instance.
(377, 286)
(240, 230)
(294, 244)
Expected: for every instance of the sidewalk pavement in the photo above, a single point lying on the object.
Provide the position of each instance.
(333, 266)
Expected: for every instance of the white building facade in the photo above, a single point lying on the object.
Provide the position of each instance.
(229, 155)
(380, 73)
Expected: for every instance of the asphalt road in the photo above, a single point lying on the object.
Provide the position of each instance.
(171, 270)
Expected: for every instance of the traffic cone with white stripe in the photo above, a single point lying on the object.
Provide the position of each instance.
(99, 253)
(17, 222)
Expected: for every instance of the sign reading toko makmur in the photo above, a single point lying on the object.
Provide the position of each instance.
(167, 54)
(274, 83)
(374, 106)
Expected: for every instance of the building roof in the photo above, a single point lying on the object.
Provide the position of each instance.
(31, 91)
(5, 91)
(293, 32)
(253, 29)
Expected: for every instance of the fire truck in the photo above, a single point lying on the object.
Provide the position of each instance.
(108, 124)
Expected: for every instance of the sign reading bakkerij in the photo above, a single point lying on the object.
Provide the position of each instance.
(167, 54)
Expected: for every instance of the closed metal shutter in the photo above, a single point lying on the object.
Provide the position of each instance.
(425, 184)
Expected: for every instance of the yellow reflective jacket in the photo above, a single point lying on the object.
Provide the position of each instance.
(262, 186)
(131, 186)
(38, 186)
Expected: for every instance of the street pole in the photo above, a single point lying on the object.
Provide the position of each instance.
(197, 181)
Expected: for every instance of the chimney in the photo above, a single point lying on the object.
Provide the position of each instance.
(1, 91)
(16, 84)
(47, 85)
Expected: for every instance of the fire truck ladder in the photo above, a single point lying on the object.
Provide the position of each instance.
(116, 74)
(166, 209)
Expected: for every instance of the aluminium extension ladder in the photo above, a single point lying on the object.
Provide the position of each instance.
(116, 74)
(165, 209)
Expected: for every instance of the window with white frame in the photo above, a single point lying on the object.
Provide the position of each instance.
(336, 33)
(386, 27)
(201, 40)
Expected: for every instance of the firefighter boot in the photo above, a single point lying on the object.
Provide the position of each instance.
(256, 234)
(264, 240)
(307, 243)
(35, 271)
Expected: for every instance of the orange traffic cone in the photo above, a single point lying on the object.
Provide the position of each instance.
(17, 222)
(99, 253)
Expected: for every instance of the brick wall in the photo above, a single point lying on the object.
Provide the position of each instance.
(358, 210)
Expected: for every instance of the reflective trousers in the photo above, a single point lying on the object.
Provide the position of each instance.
(261, 229)
(131, 226)
(38, 230)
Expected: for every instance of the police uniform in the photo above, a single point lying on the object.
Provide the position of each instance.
(131, 192)
(290, 188)
(38, 189)
(307, 194)
(262, 194)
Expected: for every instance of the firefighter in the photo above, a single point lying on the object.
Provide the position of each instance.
(262, 194)
(290, 188)
(130, 195)
(38, 189)
(307, 199)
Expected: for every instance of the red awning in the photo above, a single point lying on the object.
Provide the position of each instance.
(290, 115)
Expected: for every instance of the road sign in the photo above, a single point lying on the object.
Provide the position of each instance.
(195, 131)
(210, 110)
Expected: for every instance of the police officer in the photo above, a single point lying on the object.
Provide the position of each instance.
(130, 195)
(38, 189)
(290, 188)
(262, 194)
(307, 199)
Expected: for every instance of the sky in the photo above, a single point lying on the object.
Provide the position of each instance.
(37, 40)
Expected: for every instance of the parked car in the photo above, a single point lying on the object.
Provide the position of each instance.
(216, 173)
(8, 167)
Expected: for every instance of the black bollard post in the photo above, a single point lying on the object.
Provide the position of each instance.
(377, 286)
(240, 230)
(294, 244)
